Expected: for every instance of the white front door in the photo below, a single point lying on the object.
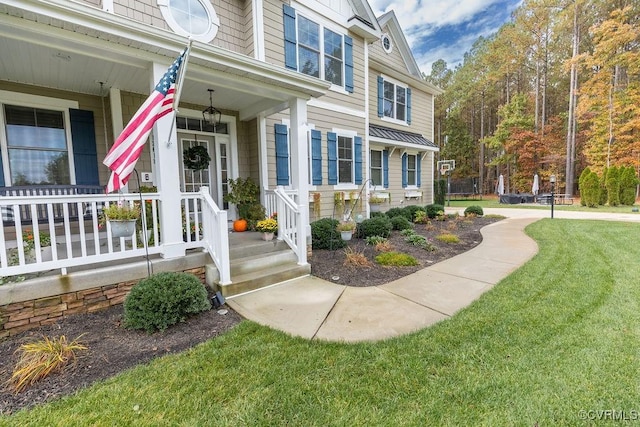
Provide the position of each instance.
(215, 176)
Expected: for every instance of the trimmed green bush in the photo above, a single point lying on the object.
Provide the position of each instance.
(325, 236)
(378, 226)
(581, 185)
(440, 191)
(412, 210)
(613, 186)
(393, 212)
(397, 259)
(434, 210)
(164, 299)
(401, 223)
(590, 190)
(474, 210)
(628, 182)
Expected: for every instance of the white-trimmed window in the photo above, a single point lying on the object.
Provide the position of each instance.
(316, 48)
(395, 101)
(195, 18)
(375, 168)
(345, 160)
(412, 170)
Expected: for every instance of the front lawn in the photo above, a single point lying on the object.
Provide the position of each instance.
(554, 343)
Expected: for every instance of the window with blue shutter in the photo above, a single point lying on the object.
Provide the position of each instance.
(332, 151)
(404, 170)
(385, 168)
(380, 96)
(282, 154)
(316, 157)
(418, 171)
(85, 155)
(357, 147)
(348, 64)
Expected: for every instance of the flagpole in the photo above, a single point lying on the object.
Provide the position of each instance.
(176, 98)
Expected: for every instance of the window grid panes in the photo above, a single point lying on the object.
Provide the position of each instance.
(333, 57)
(395, 101)
(191, 15)
(411, 169)
(37, 146)
(308, 47)
(376, 167)
(345, 160)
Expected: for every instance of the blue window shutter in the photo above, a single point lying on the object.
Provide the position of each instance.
(357, 158)
(316, 157)
(348, 64)
(418, 171)
(332, 149)
(282, 155)
(380, 96)
(385, 168)
(404, 170)
(409, 105)
(85, 156)
(290, 38)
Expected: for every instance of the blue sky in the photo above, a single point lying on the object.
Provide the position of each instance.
(446, 29)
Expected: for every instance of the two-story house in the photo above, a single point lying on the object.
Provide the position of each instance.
(321, 103)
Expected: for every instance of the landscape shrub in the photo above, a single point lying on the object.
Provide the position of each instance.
(325, 236)
(628, 183)
(397, 259)
(374, 240)
(589, 188)
(474, 210)
(378, 226)
(411, 211)
(164, 299)
(420, 241)
(434, 210)
(408, 232)
(393, 212)
(581, 185)
(448, 238)
(613, 186)
(400, 223)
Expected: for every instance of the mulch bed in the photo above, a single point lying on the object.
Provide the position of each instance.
(113, 349)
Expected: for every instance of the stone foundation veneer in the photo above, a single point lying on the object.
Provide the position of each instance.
(43, 301)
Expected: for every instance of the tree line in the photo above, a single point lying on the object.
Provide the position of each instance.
(554, 91)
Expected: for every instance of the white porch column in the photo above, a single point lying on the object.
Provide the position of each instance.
(165, 142)
(300, 170)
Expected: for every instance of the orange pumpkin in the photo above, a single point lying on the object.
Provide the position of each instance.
(240, 225)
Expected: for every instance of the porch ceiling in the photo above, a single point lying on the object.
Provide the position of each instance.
(89, 46)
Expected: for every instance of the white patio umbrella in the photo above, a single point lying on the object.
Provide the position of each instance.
(536, 186)
(501, 185)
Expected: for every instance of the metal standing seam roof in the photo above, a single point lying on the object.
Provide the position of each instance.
(399, 135)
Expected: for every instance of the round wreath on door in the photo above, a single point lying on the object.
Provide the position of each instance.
(196, 157)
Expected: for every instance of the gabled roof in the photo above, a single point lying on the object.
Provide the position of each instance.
(390, 21)
(364, 21)
(393, 135)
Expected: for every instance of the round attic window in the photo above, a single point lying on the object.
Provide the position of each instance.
(195, 18)
(386, 43)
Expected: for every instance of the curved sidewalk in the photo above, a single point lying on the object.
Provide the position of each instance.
(317, 309)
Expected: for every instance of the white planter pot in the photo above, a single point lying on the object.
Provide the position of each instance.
(374, 207)
(122, 228)
(267, 236)
(346, 235)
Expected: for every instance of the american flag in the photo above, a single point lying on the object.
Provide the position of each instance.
(125, 152)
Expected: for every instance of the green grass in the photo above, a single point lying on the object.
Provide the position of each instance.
(558, 336)
(492, 202)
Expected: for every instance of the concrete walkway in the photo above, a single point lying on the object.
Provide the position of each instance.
(317, 309)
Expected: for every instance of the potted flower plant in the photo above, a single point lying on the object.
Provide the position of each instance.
(268, 227)
(375, 202)
(346, 229)
(244, 193)
(28, 240)
(122, 218)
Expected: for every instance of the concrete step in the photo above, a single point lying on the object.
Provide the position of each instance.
(264, 277)
(259, 262)
(251, 245)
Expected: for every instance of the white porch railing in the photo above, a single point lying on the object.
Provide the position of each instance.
(216, 235)
(271, 200)
(290, 227)
(72, 223)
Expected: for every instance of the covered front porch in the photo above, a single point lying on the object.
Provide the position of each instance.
(105, 65)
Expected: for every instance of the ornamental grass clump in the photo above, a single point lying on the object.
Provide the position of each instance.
(164, 299)
(448, 238)
(40, 358)
(396, 259)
